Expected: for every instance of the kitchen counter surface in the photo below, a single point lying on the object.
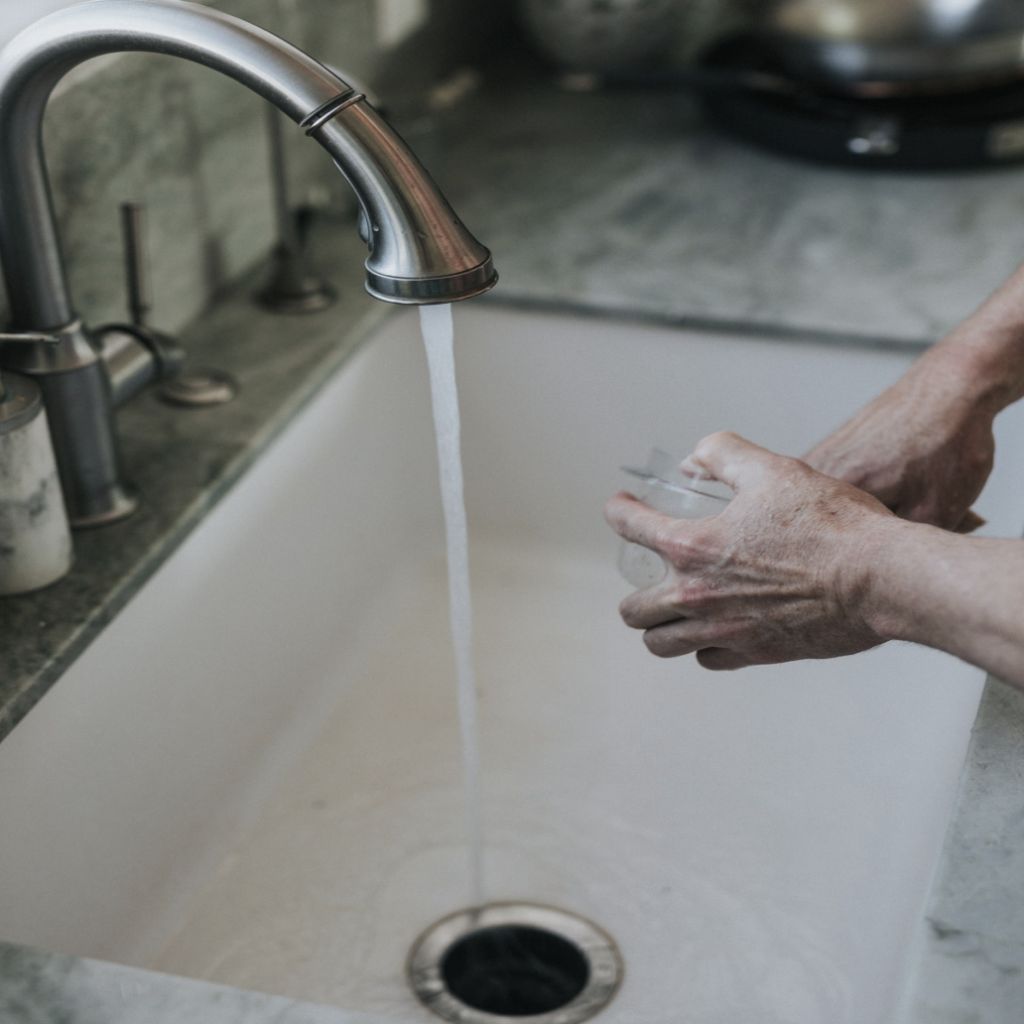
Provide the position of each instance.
(624, 204)
(630, 202)
(46, 988)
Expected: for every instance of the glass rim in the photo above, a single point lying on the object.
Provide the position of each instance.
(652, 478)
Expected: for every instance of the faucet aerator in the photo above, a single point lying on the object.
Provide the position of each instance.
(424, 291)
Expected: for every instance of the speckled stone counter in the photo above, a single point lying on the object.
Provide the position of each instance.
(631, 203)
(972, 964)
(624, 204)
(44, 988)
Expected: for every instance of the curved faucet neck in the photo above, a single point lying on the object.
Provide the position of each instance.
(419, 250)
(34, 61)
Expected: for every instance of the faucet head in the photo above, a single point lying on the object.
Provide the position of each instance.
(423, 291)
(420, 252)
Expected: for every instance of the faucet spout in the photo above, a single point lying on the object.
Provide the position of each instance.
(419, 250)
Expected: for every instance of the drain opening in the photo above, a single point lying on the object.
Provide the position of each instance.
(508, 960)
(515, 971)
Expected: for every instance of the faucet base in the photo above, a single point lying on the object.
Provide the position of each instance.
(80, 409)
(292, 288)
(120, 504)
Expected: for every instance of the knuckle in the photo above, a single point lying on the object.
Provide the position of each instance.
(690, 596)
(711, 442)
(716, 634)
(723, 436)
(794, 470)
(683, 549)
(797, 466)
(678, 550)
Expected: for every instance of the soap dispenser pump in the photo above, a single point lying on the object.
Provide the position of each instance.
(35, 540)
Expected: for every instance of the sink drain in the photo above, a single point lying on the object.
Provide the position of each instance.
(507, 960)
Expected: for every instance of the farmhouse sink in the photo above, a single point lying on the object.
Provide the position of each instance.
(252, 775)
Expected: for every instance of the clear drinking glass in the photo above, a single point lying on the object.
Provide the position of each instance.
(667, 490)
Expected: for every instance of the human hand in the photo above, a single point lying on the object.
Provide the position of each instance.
(780, 574)
(924, 447)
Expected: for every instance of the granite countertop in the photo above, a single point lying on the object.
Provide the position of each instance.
(46, 988)
(631, 203)
(622, 204)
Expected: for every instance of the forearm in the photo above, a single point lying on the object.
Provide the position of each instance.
(984, 357)
(958, 594)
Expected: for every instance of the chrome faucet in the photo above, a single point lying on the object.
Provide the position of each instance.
(419, 250)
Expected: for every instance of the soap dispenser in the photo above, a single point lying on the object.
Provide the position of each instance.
(35, 540)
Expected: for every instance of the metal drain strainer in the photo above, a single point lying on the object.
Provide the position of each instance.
(505, 960)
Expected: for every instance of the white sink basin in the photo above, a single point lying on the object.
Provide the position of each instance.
(252, 776)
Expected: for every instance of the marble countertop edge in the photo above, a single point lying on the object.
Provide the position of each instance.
(617, 310)
(37, 987)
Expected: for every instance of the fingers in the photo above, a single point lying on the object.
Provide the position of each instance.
(688, 636)
(666, 602)
(937, 513)
(691, 468)
(731, 459)
(639, 523)
(669, 628)
(718, 659)
(682, 636)
(674, 639)
(648, 609)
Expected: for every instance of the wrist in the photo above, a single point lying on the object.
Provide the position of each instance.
(909, 581)
(875, 591)
(981, 364)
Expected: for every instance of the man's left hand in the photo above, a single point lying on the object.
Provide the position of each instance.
(783, 573)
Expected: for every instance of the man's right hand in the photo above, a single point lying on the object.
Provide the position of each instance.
(924, 448)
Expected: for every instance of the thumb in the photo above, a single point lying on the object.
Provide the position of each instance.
(730, 458)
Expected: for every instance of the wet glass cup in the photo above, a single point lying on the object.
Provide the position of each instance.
(669, 491)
